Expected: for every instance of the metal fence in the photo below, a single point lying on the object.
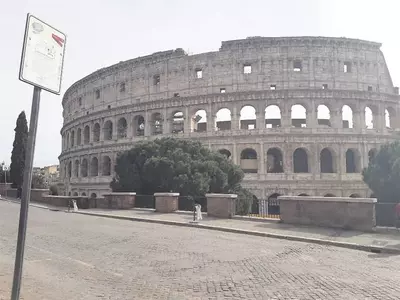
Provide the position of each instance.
(265, 208)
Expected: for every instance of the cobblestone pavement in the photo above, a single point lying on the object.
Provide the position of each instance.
(71, 256)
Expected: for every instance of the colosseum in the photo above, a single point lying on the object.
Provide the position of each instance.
(300, 115)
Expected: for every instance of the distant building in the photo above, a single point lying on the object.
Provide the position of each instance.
(50, 174)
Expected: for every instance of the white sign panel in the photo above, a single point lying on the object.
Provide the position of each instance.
(42, 55)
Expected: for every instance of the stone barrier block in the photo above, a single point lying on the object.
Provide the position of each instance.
(120, 200)
(337, 212)
(166, 202)
(221, 205)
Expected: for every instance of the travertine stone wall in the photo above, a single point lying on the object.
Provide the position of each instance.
(166, 202)
(339, 212)
(120, 200)
(221, 205)
(113, 108)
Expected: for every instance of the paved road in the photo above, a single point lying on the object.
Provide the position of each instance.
(73, 257)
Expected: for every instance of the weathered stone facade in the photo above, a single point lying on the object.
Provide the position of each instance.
(161, 95)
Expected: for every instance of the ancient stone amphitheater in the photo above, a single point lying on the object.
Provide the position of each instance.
(300, 115)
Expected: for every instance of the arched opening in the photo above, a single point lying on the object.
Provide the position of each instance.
(79, 136)
(199, 121)
(225, 152)
(329, 195)
(108, 130)
(369, 118)
(223, 119)
(390, 116)
(157, 123)
(138, 125)
(178, 121)
(274, 161)
(93, 195)
(122, 128)
(248, 161)
(273, 118)
(327, 163)
(352, 161)
(94, 167)
(69, 169)
(86, 134)
(355, 196)
(248, 117)
(347, 116)
(75, 194)
(304, 195)
(371, 154)
(106, 166)
(96, 132)
(72, 138)
(83, 194)
(300, 161)
(323, 115)
(69, 193)
(273, 204)
(84, 168)
(76, 168)
(299, 116)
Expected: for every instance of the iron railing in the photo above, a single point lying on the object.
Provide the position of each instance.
(265, 208)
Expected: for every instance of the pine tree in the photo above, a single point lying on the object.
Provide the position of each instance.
(18, 153)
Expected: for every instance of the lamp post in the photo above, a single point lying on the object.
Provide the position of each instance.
(5, 169)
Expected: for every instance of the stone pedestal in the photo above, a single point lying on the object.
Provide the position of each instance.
(120, 200)
(166, 202)
(337, 212)
(221, 205)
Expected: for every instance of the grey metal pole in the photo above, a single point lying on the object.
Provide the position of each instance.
(26, 193)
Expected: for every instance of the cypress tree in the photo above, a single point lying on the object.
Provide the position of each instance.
(18, 153)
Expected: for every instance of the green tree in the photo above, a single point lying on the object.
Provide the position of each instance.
(383, 173)
(175, 165)
(38, 182)
(18, 153)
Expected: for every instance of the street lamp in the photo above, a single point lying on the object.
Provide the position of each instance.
(5, 169)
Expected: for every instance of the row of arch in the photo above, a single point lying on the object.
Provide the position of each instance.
(275, 196)
(84, 168)
(300, 158)
(198, 122)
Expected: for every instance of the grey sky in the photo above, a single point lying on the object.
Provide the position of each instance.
(101, 33)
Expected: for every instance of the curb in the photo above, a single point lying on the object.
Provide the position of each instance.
(367, 248)
(30, 204)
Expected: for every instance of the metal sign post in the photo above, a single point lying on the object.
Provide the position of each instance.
(41, 66)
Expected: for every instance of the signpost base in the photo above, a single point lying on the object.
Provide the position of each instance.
(26, 193)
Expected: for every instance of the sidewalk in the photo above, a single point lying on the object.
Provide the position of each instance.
(385, 240)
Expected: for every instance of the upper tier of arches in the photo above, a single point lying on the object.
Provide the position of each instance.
(252, 65)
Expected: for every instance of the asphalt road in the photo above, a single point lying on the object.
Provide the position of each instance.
(70, 256)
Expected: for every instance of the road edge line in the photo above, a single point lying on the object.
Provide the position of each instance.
(354, 246)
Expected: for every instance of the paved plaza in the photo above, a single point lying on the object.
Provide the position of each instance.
(71, 256)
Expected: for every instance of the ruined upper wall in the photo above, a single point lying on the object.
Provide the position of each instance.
(283, 62)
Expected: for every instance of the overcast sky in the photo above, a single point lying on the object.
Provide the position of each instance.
(102, 32)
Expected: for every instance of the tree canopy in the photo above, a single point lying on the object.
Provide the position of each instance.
(175, 165)
(383, 173)
(18, 152)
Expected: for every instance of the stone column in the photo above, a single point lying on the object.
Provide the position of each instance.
(286, 120)
(336, 119)
(211, 122)
(260, 120)
(235, 121)
(311, 117)
(147, 126)
(187, 121)
(221, 205)
(115, 129)
(261, 160)
(166, 202)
